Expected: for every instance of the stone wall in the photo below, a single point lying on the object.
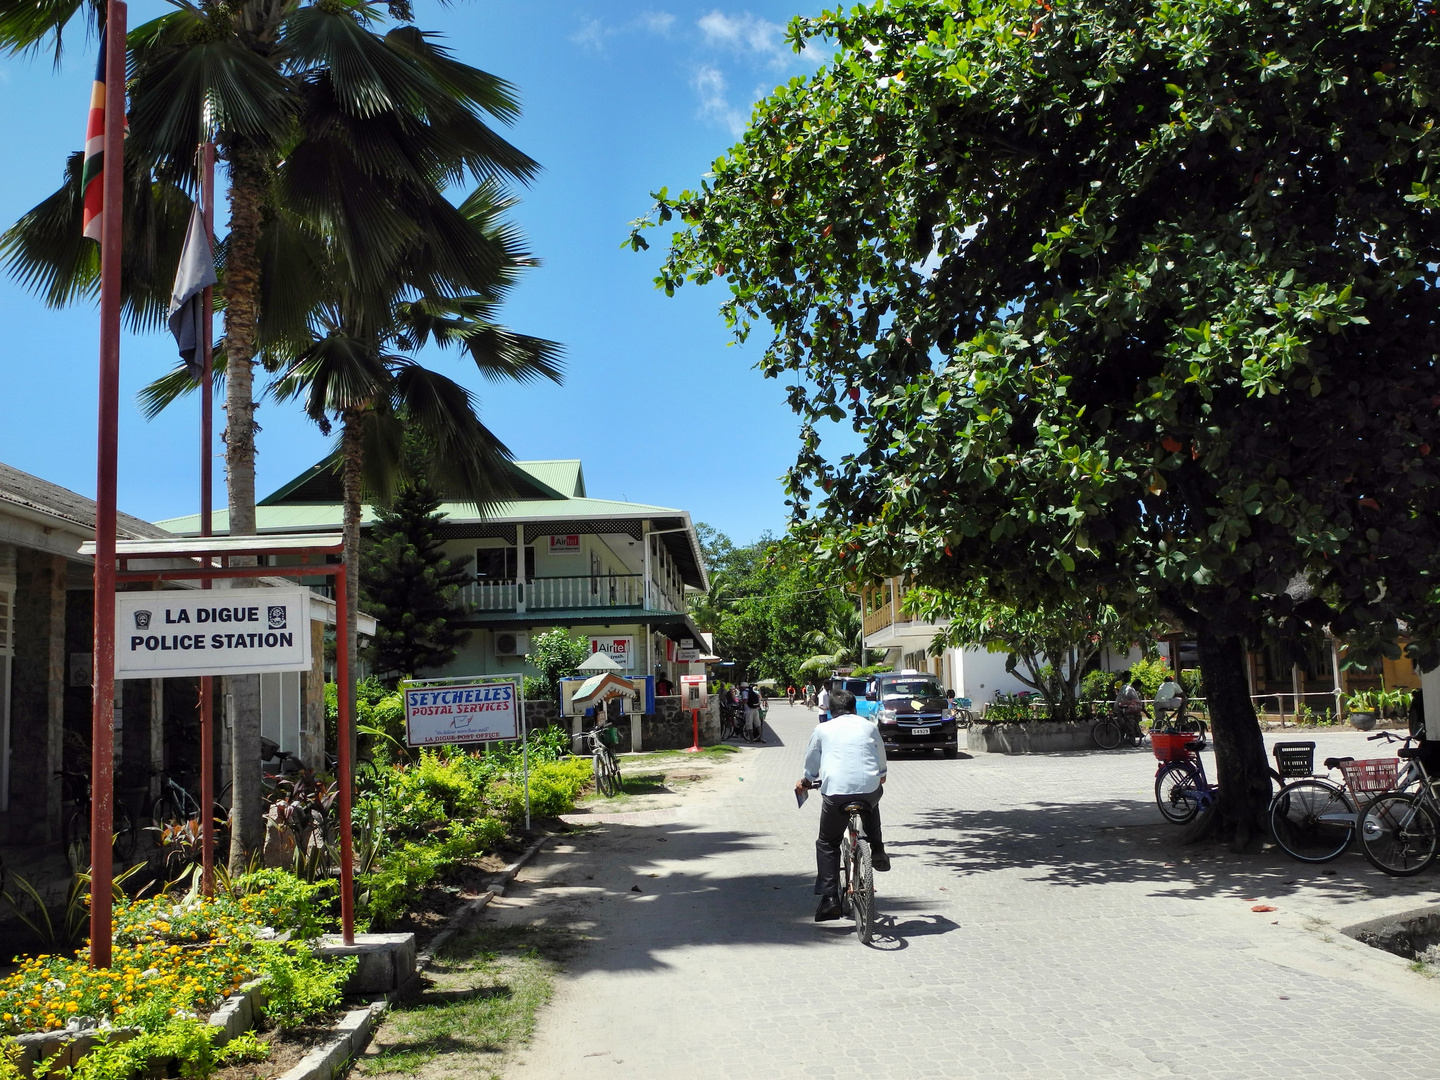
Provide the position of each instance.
(37, 696)
(1040, 737)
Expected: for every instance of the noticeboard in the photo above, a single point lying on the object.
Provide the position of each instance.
(460, 713)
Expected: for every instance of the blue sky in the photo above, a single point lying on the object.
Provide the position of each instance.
(619, 100)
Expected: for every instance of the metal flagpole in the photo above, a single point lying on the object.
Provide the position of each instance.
(102, 702)
(207, 411)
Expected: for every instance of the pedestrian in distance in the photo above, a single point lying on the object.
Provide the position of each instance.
(750, 699)
(824, 702)
(846, 758)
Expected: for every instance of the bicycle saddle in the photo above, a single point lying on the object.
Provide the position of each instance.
(1336, 762)
(1197, 745)
(1408, 752)
(856, 807)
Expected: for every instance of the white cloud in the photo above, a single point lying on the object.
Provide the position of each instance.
(657, 22)
(747, 34)
(591, 35)
(710, 85)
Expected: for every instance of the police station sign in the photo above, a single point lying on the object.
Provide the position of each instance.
(212, 632)
(461, 713)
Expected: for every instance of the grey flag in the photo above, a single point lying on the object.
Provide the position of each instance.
(187, 300)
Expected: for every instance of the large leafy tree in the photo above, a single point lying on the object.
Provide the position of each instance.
(770, 610)
(323, 114)
(1129, 301)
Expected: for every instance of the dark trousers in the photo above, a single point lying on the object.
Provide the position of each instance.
(833, 821)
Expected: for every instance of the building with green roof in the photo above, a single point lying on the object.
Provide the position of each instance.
(616, 572)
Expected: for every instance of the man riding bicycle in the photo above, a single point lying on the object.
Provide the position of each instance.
(846, 759)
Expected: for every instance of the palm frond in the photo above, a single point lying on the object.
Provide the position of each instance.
(25, 24)
(176, 383)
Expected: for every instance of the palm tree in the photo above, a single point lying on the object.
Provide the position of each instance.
(367, 126)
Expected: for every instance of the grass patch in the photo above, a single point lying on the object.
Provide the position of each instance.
(1420, 967)
(657, 757)
(480, 1005)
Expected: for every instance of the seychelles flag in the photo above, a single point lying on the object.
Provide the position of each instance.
(93, 169)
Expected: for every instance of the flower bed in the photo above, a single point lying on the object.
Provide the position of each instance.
(178, 958)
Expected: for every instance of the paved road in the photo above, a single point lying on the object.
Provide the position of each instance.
(1040, 921)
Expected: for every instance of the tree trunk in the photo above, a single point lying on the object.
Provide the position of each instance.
(1241, 772)
(242, 295)
(351, 451)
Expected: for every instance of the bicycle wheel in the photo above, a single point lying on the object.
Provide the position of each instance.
(1176, 792)
(1312, 820)
(1399, 834)
(845, 878)
(75, 838)
(616, 784)
(864, 890)
(1106, 734)
(602, 773)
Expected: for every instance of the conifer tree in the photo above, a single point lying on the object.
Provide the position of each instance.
(411, 587)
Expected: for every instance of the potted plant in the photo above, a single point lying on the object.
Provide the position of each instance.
(1361, 707)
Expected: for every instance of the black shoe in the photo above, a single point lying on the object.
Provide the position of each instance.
(829, 909)
(879, 860)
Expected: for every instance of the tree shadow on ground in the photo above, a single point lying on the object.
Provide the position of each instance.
(640, 891)
(1090, 844)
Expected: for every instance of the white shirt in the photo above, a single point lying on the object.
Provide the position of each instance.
(825, 701)
(1168, 689)
(847, 755)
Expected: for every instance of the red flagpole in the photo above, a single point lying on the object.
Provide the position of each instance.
(102, 730)
(207, 409)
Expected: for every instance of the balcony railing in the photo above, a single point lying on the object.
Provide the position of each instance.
(581, 591)
(878, 619)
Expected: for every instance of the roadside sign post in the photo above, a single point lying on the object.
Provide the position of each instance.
(222, 638)
(469, 710)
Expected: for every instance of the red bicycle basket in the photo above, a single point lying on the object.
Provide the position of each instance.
(1172, 747)
(1372, 774)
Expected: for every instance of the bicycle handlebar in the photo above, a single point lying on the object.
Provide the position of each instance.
(1389, 736)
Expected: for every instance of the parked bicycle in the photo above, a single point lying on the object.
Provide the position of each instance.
(1313, 818)
(607, 769)
(175, 818)
(1116, 726)
(75, 836)
(1399, 829)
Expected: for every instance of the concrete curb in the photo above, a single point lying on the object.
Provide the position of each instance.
(470, 911)
(352, 1036)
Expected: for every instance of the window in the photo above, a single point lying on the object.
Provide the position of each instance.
(498, 563)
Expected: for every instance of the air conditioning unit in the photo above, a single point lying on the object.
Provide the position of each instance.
(509, 644)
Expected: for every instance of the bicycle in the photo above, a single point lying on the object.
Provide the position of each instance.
(1182, 790)
(1117, 726)
(75, 836)
(1400, 830)
(606, 768)
(175, 809)
(1313, 818)
(857, 875)
(732, 720)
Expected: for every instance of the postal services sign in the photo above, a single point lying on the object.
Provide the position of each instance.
(176, 632)
(461, 713)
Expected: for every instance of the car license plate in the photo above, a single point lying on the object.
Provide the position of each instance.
(920, 731)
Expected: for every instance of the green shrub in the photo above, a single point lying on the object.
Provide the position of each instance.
(1147, 675)
(184, 1047)
(1095, 686)
(1192, 683)
(300, 986)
